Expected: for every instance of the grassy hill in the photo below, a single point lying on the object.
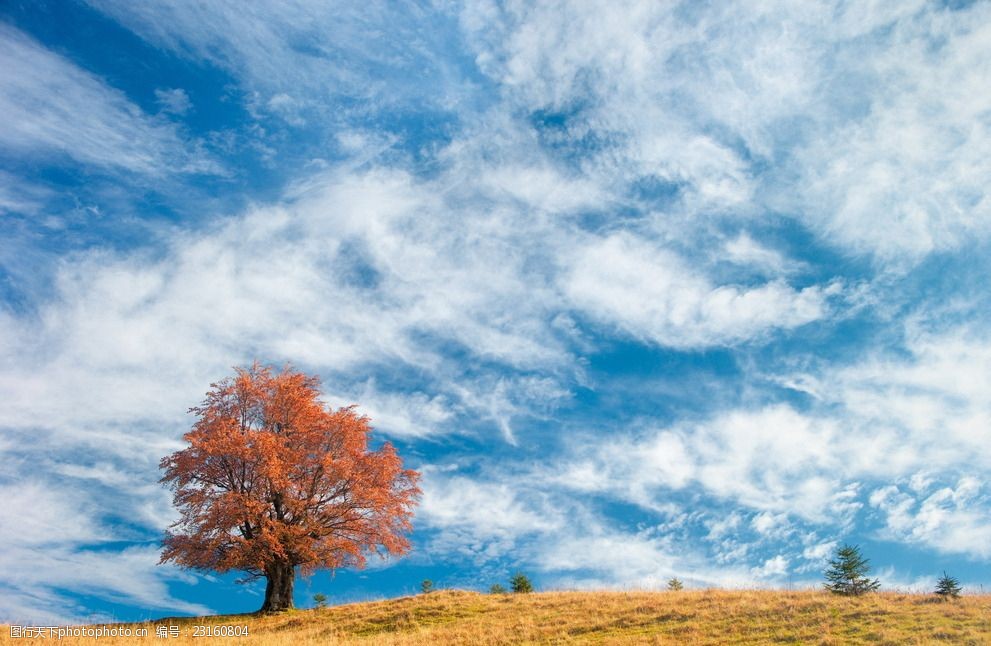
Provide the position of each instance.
(689, 617)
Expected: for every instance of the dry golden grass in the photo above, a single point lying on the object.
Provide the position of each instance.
(689, 617)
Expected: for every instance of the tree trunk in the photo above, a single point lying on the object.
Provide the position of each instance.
(278, 590)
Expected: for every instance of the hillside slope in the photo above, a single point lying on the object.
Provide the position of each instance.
(690, 617)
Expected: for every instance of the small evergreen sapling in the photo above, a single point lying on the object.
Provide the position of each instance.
(497, 589)
(520, 583)
(320, 600)
(948, 587)
(426, 586)
(675, 584)
(847, 573)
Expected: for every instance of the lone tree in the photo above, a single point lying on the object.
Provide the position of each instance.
(272, 481)
(847, 573)
(948, 587)
(520, 583)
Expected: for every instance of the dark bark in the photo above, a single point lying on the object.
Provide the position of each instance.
(278, 590)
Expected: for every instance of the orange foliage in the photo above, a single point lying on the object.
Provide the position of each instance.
(272, 482)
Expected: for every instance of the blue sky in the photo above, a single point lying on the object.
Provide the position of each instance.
(642, 289)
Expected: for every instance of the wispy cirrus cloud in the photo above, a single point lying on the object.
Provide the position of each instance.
(350, 273)
(518, 235)
(906, 173)
(54, 108)
(950, 518)
(413, 266)
(173, 101)
(511, 520)
(652, 294)
(54, 541)
(884, 157)
(311, 56)
(896, 434)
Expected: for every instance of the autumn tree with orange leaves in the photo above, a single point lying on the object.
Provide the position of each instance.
(273, 482)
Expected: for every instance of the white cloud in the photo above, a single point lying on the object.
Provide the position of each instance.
(746, 252)
(635, 468)
(264, 285)
(31, 574)
(287, 108)
(720, 527)
(930, 405)
(542, 187)
(775, 567)
(364, 269)
(910, 176)
(370, 55)
(916, 423)
(52, 107)
(636, 561)
(633, 73)
(700, 99)
(51, 539)
(819, 552)
(769, 524)
(20, 196)
(868, 114)
(173, 100)
(410, 414)
(951, 519)
(503, 399)
(37, 515)
(535, 526)
(905, 424)
(480, 520)
(773, 460)
(652, 294)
